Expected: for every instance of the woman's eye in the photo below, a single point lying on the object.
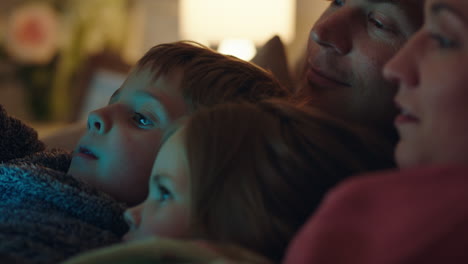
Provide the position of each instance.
(444, 42)
(164, 194)
(141, 120)
(337, 2)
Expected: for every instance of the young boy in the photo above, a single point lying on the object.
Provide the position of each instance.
(47, 214)
(170, 81)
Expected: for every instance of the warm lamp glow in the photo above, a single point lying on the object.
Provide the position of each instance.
(241, 48)
(211, 21)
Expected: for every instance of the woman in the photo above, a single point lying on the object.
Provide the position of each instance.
(419, 214)
(433, 96)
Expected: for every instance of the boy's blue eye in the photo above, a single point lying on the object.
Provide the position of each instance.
(141, 120)
(443, 42)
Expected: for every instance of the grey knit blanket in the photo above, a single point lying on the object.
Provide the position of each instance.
(47, 216)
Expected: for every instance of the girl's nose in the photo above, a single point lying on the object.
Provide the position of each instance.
(133, 217)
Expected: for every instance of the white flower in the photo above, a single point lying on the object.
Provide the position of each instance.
(32, 33)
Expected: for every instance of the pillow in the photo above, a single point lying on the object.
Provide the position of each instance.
(272, 57)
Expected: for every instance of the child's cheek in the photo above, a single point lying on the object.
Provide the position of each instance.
(174, 223)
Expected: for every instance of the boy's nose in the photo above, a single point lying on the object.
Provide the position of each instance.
(97, 122)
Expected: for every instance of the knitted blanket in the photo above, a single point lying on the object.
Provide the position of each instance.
(16, 139)
(47, 216)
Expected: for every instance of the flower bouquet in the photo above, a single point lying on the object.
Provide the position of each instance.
(47, 41)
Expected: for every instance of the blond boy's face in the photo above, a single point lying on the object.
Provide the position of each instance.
(116, 153)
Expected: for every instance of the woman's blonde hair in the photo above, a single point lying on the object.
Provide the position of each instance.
(259, 170)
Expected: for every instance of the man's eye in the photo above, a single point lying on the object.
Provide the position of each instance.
(141, 120)
(379, 24)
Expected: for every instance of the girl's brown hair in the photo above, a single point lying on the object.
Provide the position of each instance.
(210, 78)
(258, 171)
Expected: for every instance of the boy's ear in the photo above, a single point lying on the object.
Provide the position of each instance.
(17, 140)
(272, 57)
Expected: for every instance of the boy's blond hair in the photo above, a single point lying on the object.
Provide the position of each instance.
(210, 78)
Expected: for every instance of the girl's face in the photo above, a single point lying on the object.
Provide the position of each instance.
(166, 211)
(431, 71)
(117, 152)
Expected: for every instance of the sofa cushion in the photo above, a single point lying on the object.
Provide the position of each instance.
(272, 57)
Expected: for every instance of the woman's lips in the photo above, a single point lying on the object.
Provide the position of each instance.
(317, 77)
(405, 117)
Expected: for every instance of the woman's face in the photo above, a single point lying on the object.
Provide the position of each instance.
(432, 73)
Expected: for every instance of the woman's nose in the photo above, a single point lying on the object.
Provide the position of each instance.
(402, 69)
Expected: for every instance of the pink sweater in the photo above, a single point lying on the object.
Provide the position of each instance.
(412, 216)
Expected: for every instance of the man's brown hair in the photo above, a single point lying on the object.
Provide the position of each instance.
(208, 77)
(259, 170)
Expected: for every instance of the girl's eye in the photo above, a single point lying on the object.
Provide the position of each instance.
(164, 194)
(141, 120)
(443, 42)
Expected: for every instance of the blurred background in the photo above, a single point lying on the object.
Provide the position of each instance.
(61, 58)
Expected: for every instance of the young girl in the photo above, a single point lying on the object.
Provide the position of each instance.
(249, 174)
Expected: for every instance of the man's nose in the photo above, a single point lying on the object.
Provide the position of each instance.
(335, 31)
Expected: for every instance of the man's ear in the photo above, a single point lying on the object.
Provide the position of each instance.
(17, 140)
